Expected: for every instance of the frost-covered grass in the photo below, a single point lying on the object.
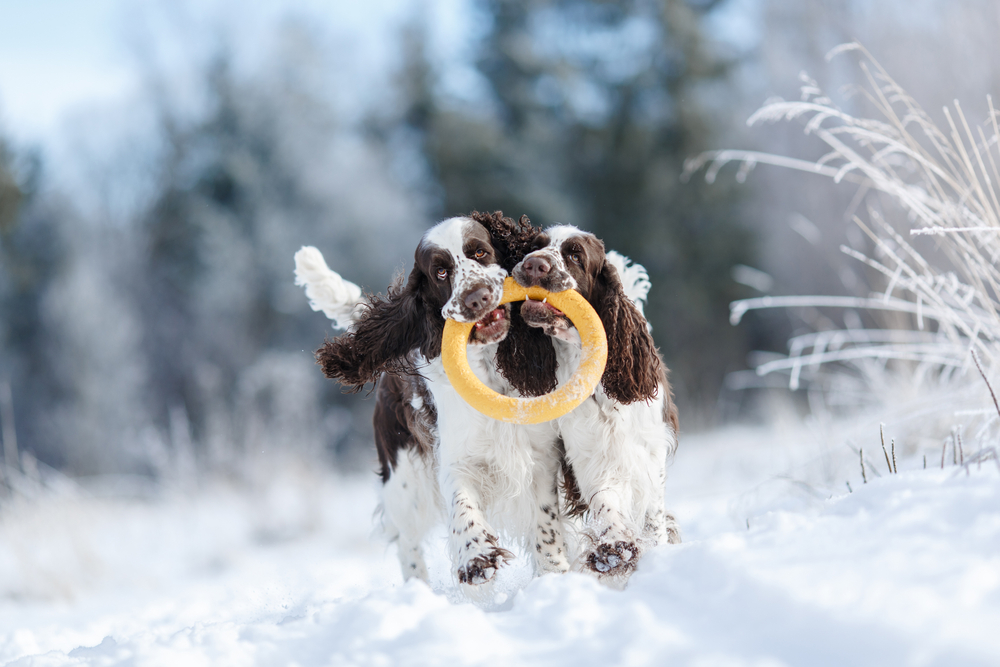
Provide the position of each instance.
(781, 565)
(928, 199)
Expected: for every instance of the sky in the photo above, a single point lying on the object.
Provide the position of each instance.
(59, 56)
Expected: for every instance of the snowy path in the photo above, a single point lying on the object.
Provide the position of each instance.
(904, 571)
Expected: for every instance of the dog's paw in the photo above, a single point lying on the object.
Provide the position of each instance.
(672, 530)
(613, 559)
(482, 568)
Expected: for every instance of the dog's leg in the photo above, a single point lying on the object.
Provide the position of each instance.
(614, 551)
(409, 506)
(550, 546)
(660, 525)
(475, 552)
(605, 473)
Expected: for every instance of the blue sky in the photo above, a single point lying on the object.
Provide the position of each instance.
(58, 56)
(54, 53)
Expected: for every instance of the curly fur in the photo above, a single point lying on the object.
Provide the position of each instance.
(385, 333)
(525, 357)
(635, 370)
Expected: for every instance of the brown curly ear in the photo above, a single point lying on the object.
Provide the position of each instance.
(634, 366)
(381, 341)
(526, 357)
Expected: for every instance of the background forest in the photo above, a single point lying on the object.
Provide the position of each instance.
(148, 320)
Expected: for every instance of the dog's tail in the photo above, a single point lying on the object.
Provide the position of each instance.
(634, 279)
(339, 299)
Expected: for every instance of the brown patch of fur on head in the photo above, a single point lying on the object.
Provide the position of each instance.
(634, 368)
(390, 328)
(525, 357)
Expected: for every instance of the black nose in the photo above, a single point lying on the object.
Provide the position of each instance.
(536, 267)
(477, 299)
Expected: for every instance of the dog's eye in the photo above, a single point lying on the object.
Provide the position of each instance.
(480, 253)
(442, 274)
(575, 258)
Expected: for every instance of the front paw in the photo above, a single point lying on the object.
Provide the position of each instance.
(612, 559)
(482, 567)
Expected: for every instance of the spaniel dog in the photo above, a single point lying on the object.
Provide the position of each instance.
(617, 442)
(438, 455)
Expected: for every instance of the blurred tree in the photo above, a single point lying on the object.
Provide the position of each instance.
(261, 169)
(593, 108)
(32, 255)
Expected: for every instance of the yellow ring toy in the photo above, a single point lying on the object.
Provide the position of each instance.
(537, 409)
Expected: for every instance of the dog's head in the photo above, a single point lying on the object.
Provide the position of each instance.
(565, 257)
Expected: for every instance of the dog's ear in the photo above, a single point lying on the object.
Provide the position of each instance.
(526, 358)
(389, 329)
(634, 367)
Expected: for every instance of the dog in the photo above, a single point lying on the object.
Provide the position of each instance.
(439, 457)
(616, 443)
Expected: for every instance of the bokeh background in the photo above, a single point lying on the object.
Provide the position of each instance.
(160, 163)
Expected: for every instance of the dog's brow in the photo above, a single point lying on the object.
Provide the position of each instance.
(441, 258)
(476, 244)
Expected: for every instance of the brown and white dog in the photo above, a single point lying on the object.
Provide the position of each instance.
(438, 455)
(617, 442)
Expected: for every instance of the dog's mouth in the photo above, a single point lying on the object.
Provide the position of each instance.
(541, 310)
(493, 327)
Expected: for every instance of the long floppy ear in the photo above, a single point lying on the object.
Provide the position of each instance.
(526, 357)
(634, 367)
(389, 329)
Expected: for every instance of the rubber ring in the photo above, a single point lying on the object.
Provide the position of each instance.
(536, 409)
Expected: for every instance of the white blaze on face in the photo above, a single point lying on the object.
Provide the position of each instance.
(467, 274)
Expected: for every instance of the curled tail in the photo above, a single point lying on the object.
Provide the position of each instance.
(339, 299)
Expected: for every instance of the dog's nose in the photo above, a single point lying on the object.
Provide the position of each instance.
(477, 299)
(536, 267)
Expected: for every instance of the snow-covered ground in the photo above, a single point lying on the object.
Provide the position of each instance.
(781, 565)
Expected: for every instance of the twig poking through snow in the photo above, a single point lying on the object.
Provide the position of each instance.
(861, 453)
(895, 468)
(887, 463)
(975, 358)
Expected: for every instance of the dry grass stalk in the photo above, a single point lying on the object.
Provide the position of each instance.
(882, 435)
(979, 366)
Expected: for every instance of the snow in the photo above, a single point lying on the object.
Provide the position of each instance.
(781, 565)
